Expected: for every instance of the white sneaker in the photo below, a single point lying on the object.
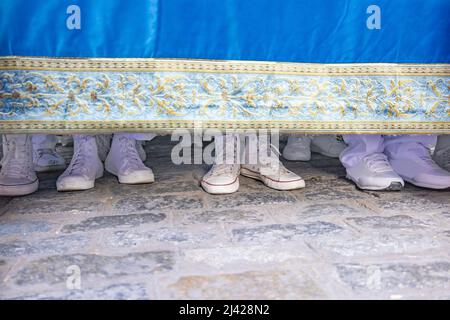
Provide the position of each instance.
(298, 148)
(84, 168)
(442, 157)
(272, 172)
(46, 160)
(221, 179)
(374, 172)
(327, 145)
(420, 170)
(104, 145)
(17, 176)
(124, 162)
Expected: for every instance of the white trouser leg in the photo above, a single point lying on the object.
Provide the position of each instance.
(400, 145)
(359, 146)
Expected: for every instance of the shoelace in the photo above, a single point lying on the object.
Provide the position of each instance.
(275, 159)
(13, 166)
(378, 162)
(224, 169)
(128, 147)
(79, 158)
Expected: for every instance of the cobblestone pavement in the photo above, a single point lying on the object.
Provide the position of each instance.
(172, 240)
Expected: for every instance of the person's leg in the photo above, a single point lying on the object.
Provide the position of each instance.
(103, 145)
(410, 157)
(84, 168)
(45, 157)
(17, 176)
(442, 151)
(223, 177)
(268, 167)
(366, 164)
(124, 160)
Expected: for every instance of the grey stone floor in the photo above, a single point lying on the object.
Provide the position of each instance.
(172, 240)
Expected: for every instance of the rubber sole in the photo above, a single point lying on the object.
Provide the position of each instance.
(85, 185)
(220, 189)
(426, 185)
(79, 187)
(277, 185)
(21, 190)
(394, 186)
(136, 180)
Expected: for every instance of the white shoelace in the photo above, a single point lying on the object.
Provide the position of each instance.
(128, 148)
(224, 169)
(378, 163)
(79, 166)
(275, 162)
(16, 164)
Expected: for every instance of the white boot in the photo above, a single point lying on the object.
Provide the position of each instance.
(271, 171)
(417, 167)
(124, 162)
(17, 176)
(47, 160)
(298, 148)
(84, 168)
(374, 172)
(327, 145)
(223, 177)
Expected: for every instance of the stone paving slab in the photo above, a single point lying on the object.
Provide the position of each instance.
(172, 240)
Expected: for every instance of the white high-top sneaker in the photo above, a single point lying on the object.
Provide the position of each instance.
(104, 145)
(328, 145)
(124, 162)
(374, 172)
(17, 176)
(298, 148)
(417, 167)
(84, 168)
(271, 171)
(46, 160)
(223, 177)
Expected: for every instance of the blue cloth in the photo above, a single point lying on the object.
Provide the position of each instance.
(320, 31)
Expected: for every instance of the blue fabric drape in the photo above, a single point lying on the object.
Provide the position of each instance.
(320, 31)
